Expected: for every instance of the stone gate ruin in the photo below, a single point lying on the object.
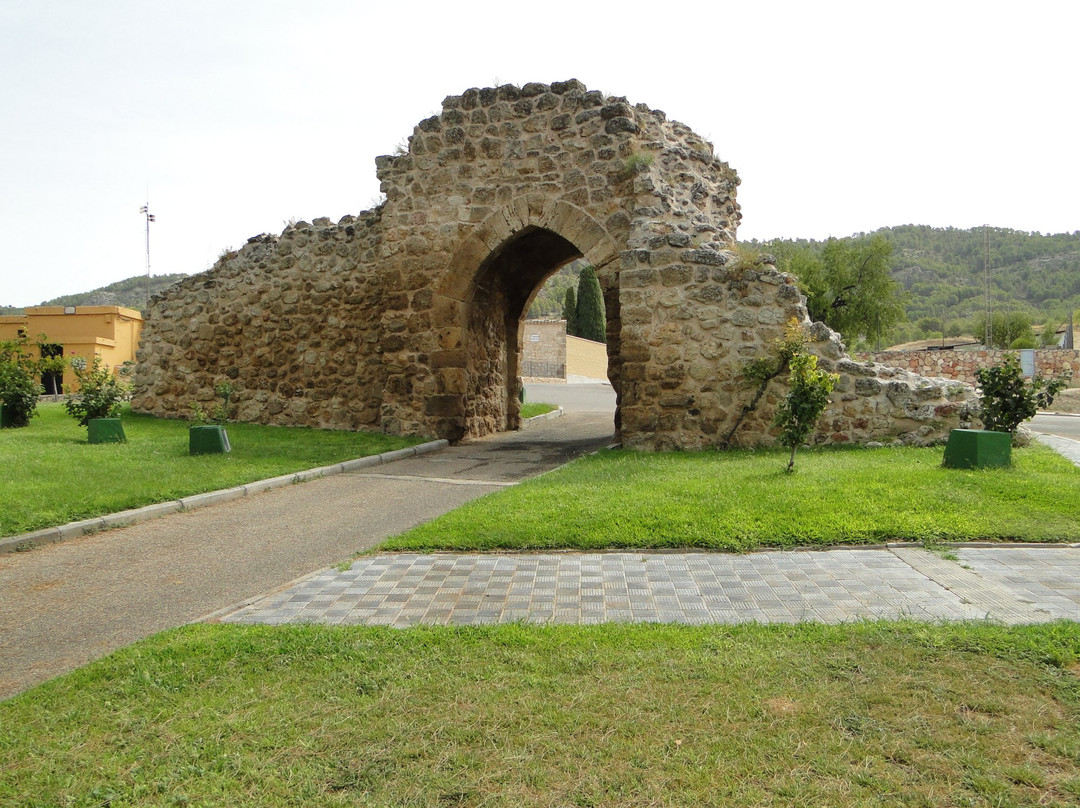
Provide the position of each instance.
(407, 318)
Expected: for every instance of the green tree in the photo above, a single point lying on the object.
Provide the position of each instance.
(848, 284)
(590, 307)
(569, 312)
(798, 412)
(928, 325)
(1006, 328)
(19, 386)
(1007, 398)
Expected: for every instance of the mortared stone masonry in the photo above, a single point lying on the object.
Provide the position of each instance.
(408, 318)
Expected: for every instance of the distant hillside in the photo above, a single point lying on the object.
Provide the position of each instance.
(942, 270)
(130, 293)
(548, 303)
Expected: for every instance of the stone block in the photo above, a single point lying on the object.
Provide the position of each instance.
(445, 406)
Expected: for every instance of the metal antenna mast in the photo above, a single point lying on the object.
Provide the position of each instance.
(145, 210)
(986, 275)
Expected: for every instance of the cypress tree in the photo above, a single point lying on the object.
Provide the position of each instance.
(569, 312)
(590, 307)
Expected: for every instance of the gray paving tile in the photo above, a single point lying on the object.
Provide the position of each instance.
(1007, 584)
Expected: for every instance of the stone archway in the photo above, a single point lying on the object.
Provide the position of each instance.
(480, 382)
(405, 318)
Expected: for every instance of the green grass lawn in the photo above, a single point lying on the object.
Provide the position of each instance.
(856, 715)
(742, 500)
(873, 713)
(53, 476)
(532, 409)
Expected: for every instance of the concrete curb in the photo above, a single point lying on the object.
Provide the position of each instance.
(1066, 447)
(547, 416)
(72, 530)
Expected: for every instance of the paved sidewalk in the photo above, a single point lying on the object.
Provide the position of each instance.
(1008, 584)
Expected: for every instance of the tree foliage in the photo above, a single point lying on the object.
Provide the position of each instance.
(807, 398)
(590, 307)
(848, 284)
(569, 310)
(1008, 329)
(942, 271)
(549, 300)
(1007, 398)
(19, 385)
(100, 392)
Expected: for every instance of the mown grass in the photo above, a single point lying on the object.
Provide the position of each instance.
(741, 500)
(531, 409)
(861, 714)
(53, 476)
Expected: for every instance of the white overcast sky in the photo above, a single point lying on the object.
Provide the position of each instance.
(235, 116)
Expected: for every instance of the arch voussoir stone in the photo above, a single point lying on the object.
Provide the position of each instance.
(406, 318)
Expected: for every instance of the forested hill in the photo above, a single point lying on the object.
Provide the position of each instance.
(130, 293)
(944, 267)
(941, 269)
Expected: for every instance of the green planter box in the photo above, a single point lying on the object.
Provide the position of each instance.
(105, 430)
(977, 449)
(211, 439)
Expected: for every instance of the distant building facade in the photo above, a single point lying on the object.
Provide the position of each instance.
(549, 354)
(111, 332)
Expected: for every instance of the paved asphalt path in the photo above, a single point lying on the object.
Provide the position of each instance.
(66, 604)
(1064, 426)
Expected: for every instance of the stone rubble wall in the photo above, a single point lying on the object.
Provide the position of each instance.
(407, 318)
(691, 381)
(961, 365)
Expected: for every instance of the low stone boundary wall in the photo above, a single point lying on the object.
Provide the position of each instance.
(961, 365)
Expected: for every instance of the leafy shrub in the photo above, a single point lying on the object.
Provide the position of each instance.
(100, 392)
(19, 386)
(807, 398)
(1007, 399)
(764, 369)
(222, 410)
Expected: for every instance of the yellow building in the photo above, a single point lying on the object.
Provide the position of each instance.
(111, 332)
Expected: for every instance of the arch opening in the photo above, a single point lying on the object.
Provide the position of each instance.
(505, 284)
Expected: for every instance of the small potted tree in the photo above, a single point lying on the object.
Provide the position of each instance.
(206, 433)
(1006, 400)
(96, 404)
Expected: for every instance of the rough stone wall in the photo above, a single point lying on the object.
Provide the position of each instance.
(961, 365)
(708, 322)
(407, 318)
